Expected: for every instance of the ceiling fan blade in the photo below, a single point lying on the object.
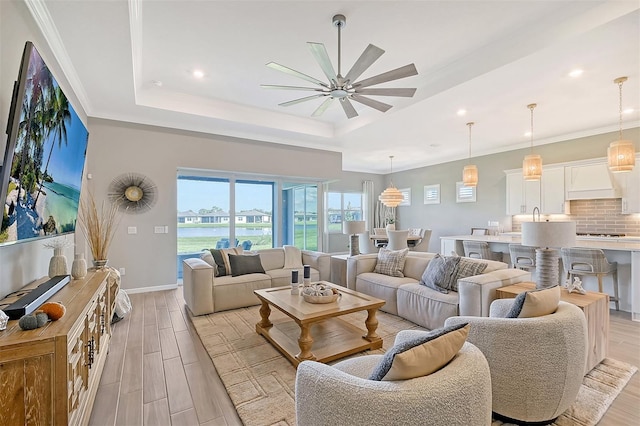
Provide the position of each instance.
(368, 57)
(404, 93)
(348, 108)
(275, 86)
(320, 53)
(380, 106)
(323, 106)
(398, 73)
(295, 73)
(297, 101)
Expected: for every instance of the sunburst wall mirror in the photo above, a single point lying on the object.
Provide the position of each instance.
(133, 192)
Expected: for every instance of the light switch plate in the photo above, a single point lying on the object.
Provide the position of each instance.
(132, 230)
(158, 229)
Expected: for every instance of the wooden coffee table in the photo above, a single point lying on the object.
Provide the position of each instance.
(318, 326)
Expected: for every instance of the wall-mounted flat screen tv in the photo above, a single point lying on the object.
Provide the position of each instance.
(44, 156)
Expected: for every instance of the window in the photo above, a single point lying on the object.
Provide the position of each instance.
(341, 207)
(432, 194)
(465, 194)
(301, 215)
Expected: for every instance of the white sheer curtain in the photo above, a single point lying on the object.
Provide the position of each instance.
(369, 205)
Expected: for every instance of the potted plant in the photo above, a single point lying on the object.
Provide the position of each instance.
(99, 226)
(390, 220)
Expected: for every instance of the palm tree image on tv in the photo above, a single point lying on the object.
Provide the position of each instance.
(48, 160)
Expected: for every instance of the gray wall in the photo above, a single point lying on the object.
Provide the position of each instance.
(116, 148)
(451, 218)
(24, 262)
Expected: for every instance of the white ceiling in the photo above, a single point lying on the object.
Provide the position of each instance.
(491, 58)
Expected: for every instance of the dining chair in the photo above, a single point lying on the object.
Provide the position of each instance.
(480, 250)
(423, 242)
(397, 239)
(479, 231)
(366, 244)
(380, 231)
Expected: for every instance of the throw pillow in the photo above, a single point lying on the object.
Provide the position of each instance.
(421, 356)
(245, 264)
(292, 257)
(391, 262)
(466, 268)
(221, 257)
(438, 273)
(535, 303)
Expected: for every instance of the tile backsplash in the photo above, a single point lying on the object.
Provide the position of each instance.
(598, 216)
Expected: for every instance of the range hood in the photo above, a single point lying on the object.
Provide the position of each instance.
(590, 182)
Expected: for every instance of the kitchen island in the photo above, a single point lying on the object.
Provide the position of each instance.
(624, 250)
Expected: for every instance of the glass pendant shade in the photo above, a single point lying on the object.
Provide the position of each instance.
(532, 167)
(621, 156)
(470, 175)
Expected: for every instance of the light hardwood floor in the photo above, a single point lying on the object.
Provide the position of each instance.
(158, 373)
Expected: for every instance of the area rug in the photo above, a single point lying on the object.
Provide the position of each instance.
(261, 382)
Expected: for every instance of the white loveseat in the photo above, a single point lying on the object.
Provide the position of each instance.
(205, 293)
(422, 305)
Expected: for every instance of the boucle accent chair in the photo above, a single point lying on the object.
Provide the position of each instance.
(537, 364)
(459, 394)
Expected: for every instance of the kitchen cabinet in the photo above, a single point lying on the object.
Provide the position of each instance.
(629, 183)
(50, 375)
(522, 195)
(552, 193)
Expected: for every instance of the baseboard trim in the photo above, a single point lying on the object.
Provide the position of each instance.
(150, 289)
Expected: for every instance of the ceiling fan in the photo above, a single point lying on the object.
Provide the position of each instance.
(346, 89)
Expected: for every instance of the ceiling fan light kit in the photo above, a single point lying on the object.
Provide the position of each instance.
(346, 88)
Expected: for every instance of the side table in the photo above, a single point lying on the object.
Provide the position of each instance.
(596, 310)
(339, 269)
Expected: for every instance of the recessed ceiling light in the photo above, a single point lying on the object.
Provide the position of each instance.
(527, 134)
(461, 112)
(576, 73)
(157, 83)
(628, 111)
(198, 74)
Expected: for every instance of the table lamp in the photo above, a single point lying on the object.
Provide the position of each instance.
(353, 228)
(547, 237)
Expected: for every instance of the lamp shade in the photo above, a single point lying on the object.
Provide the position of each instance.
(549, 234)
(391, 197)
(470, 175)
(351, 227)
(621, 156)
(532, 167)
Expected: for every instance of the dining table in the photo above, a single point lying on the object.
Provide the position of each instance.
(383, 239)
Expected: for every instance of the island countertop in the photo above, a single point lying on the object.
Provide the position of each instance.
(623, 250)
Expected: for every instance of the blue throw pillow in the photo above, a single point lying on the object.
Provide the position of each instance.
(440, 272)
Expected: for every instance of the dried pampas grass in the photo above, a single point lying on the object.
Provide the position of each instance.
(98, 224)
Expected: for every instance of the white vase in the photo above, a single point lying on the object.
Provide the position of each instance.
(391, 226)
(58, 263)
(79, 267)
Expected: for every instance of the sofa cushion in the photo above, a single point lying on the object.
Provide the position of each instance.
(245, 264)
(391, 262)
(421, 356)
(467, 268)
(424, 306)
(221, 258)
(535, 303)
(440, 273)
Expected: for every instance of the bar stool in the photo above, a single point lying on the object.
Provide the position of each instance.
(480, 250)
(586, 261)
(523, 257)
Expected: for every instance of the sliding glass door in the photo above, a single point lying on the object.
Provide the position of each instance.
(300, 218)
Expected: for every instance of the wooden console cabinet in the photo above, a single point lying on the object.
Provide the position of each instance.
(50, 375)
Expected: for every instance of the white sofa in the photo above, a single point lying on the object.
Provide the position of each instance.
(422, 305)
(204, 293)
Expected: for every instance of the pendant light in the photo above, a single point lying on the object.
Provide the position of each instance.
(532, 163)
(470, 171)
(621, 153)
(391, 197)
